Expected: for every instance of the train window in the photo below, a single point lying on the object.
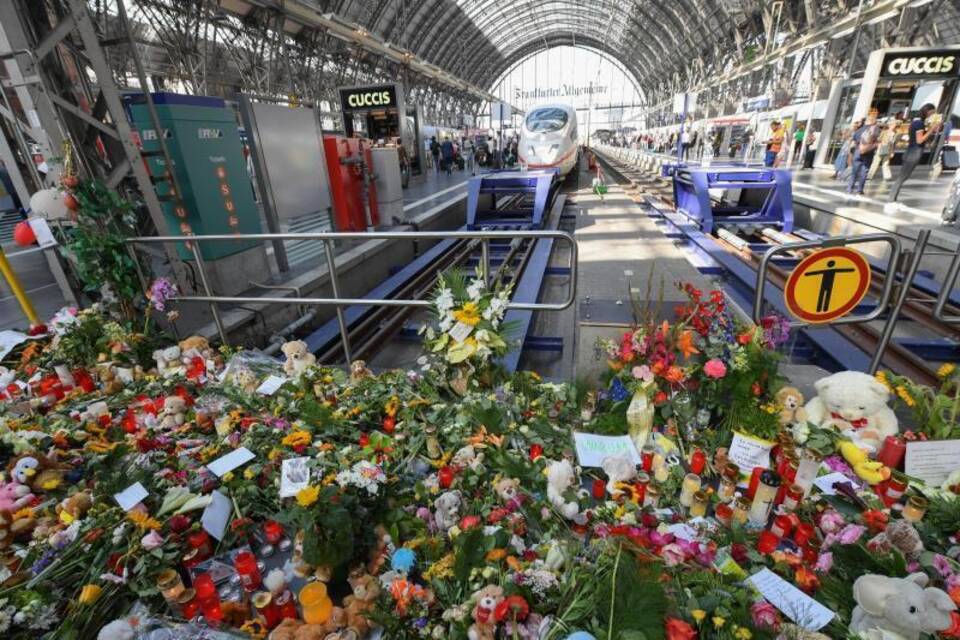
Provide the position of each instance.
(546, 120)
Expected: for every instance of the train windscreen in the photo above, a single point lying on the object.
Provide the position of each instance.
(546, 120)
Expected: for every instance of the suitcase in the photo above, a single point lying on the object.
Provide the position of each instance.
(950, 159)
(951, 210)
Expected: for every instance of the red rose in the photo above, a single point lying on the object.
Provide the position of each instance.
(445, 476)
(389, 424)
(468, 522)
(179, 523)
(536, 451)
(679, 630)
(738, 551)
(364, 440)
(649, 520)
(660, 397)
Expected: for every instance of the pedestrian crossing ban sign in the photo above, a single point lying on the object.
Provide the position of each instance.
(827, 285)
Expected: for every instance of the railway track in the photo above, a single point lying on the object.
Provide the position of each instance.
(918, 308)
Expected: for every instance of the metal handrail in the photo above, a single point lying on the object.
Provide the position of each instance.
(192, 242)
(939, 309)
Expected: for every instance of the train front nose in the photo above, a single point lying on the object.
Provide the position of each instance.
(544, 153)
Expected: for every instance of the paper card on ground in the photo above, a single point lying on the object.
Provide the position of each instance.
(460, 331)
(294, 476)
(269, 386)
(825, 483)
(932, 462)
(683, 531)
(229, 462)
(216, 516)
(749, 452)
(592, 449)
(794, 603)
(42, 231)
(10, 339)
(131, 496)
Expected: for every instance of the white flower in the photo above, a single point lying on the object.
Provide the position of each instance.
(495, 310)
(475, 290)
(447, 323)
(4, 620)
(444, 300)
(363, 475)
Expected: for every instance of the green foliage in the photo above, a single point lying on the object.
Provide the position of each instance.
(936, 412)
(631, 601)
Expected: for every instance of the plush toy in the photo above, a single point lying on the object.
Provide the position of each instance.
(245, 379)
(381, 549)
(560, 478)
(299, 358)
(195, 345)
(95, 411)
(899, 605)
(619, 469)
(168, 361)
(14, 528)
(359, 370)
(467, 458)
(74, 507)
(790, 401)
(365, 588)
(507, 488)
(447, 507)
(173, 413)
(485, 601)
(35, 472)
(855, 404)
(14, 496)
(871, 471)
(899, 535)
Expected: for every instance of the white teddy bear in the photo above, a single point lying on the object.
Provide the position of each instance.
(855, 404)
(560, 478)
(299, 358)
(447, 509)
(173, 413)
(619, 468)
(168, 361)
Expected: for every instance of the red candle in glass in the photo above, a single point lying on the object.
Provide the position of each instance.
(892, 452)
(246, 565)
(266, 607)
(84, 381)
(767, 542)
(781, 526)
(287, 605)
(640, 489)
(804, 534)
(754, 481)
(893, 490)
(211, 609)
(811, 552)
(273, 531)
(189, 609)
(646, 458)
(598, 489)
(203, 585)
(698, 460)
(200, 540)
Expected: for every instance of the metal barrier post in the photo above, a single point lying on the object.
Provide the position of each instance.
(136, 264)
(335, 287)
(195, 248)
(17, 289)
(948, 283)
(485, 261)
(922, 238)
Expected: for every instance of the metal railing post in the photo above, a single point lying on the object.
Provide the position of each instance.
(201, 268)
(944, 298)
(485, 261)
(335, 287)
(922, 238)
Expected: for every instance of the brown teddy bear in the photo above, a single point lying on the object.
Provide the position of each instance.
(485, 601)
(74, 507)
(194, 343)
(366, 588)
(790, 401)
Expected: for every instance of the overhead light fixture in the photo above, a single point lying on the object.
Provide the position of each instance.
(884, 16)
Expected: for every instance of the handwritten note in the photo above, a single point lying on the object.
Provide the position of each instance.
(131, 496)
(294, 476)
(269, 386)
(932, 462)
(216, 516)
(227, 463)
(460, 331)
(592, 449)
(749, 452)
(794, 603)
(42, 232)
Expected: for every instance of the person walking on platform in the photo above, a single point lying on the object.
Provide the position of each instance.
(774, 144)
(868, 140)
(446, 151)
(468, 149)
(918, 135)
(813, 139)
(435, 152)
(798, 137)
(881, 161)
(845, 153)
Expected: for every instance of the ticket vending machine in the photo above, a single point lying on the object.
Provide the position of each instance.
(379, 112)
(217, 196)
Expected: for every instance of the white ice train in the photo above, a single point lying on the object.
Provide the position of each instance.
(548, 138)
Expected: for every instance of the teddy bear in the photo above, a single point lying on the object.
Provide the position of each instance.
(619, 469)
(467, 458)
(173, 413)
(12, 528)
(365, 588)
(507, 488)
(485, 601)
(35, 472)
(790, 401)
(74, 507)
(447, 507)
(899, 605)
(14, 496)
(169, 362)
(195, 346)
(899, 535)
(560, 478)
(299, 358)
(855, 404)
(246, 379)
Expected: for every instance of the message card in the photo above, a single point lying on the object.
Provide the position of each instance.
(932, 462)
(229, 462)
(592, 449)
(794, 603)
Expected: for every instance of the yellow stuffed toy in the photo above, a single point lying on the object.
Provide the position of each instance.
(869, 470)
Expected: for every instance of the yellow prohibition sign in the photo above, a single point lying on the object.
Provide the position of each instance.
(827, 284)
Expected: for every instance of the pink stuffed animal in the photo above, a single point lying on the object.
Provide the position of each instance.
(14, 496)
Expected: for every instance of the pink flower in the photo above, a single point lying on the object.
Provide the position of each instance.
(151, 541)
(642, 372)
(824, 562)
(851, 533)
(831, 521)
(942, 565)
(672, 555)
(765, 615)
(953, 582)
(715, 368)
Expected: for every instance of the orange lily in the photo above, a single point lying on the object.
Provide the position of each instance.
(685, 344)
